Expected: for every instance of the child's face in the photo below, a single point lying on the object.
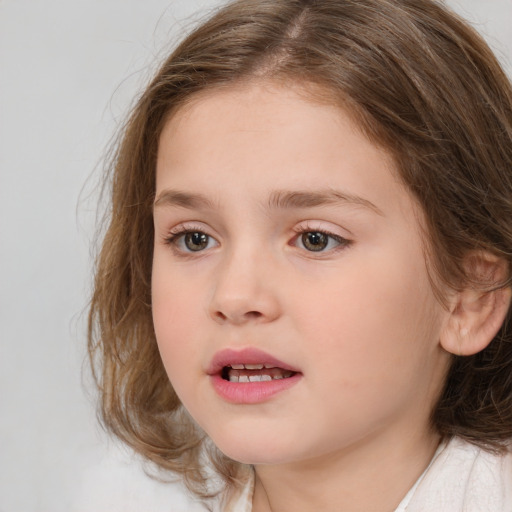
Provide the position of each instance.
(281, 229)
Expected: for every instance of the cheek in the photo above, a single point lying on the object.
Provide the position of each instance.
(381, 315)
(175, 309)
(176, 297)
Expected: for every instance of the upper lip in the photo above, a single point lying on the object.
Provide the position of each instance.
(228, 357)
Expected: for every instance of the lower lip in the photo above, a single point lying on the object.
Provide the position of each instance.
(251, 392)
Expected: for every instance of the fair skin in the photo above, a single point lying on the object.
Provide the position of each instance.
(280, 228)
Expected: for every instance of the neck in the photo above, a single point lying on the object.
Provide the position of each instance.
(372, 477)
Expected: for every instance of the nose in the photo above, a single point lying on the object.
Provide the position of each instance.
(245, 290)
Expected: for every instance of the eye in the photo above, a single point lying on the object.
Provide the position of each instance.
(196, 241)
(187, 241)
(314, 240)
(320, 241)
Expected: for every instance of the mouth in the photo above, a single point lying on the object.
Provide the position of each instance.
(250, 376)
(245, 373)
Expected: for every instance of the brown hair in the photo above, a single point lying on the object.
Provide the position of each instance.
(421, 84)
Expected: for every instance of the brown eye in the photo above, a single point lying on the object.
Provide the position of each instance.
(315, 240)
(196, 241)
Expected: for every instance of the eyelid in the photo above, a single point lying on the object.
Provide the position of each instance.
(323, 226)
(187, 226)
(177, 233)
(174, 235)
(320, 227)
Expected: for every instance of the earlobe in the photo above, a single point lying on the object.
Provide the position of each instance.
(477, 312)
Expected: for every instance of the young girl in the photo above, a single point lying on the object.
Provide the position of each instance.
(302, 299)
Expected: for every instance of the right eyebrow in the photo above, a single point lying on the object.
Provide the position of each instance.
(182, 199)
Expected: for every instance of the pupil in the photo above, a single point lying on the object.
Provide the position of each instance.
(315, 241)
(196, 241)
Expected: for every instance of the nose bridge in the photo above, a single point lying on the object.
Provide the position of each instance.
(244, 289)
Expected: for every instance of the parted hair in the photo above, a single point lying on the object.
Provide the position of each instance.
(420, 83)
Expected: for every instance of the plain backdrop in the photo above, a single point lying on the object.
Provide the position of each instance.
(69, 70)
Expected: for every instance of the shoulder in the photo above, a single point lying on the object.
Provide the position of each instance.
(465, 478)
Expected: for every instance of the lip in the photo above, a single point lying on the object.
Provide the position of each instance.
(249, 392)
(228, 357)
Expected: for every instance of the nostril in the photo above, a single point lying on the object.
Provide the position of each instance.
(253, 314)
(220, 316)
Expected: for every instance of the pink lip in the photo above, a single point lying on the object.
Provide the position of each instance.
(245, 356)
(248, 392)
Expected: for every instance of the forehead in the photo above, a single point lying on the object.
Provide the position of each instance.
(262, 137)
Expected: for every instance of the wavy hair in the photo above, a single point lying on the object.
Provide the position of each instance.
(420, 83)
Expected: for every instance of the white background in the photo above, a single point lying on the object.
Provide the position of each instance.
(68, 72)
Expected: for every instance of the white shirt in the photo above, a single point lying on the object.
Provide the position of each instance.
(460, 478)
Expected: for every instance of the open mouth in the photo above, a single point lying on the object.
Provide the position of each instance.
(246, 373)
(250, 376)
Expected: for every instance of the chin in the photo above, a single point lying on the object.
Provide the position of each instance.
(254, 450)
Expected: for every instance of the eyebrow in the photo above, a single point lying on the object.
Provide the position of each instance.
(279, 199)
(285, 199)
(183, 199)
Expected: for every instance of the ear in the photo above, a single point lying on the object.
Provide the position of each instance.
(478, 311)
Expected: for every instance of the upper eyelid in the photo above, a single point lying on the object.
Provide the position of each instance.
(324, 226)
(319, 225)
(191, 226)
(183, 228)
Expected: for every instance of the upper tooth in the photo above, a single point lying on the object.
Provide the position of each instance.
(269, 366)
(248, 366)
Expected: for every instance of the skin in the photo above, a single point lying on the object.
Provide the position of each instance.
(358, 319)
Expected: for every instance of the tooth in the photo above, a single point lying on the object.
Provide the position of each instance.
(277, 377)
(243, 378)
(233, 378)
(253, 366)
(259, 378)
(269, 366)
(237, 366)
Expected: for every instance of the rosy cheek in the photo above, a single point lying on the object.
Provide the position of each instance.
(175, 320)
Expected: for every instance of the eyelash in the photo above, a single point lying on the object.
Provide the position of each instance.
(341, 241)
(179, 233)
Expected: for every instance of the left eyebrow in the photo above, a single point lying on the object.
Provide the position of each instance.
(307, 199)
